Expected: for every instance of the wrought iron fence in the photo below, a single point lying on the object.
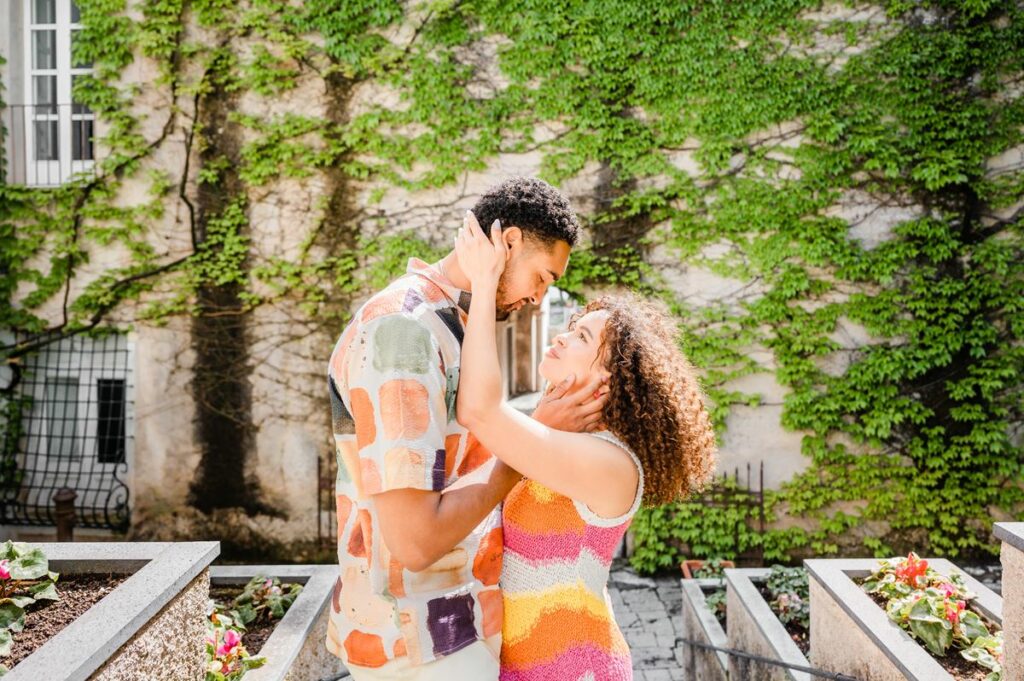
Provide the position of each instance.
(740, 493)
(327, 520)
(67, 422)
(45, 145)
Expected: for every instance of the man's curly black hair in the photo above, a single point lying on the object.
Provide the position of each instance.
(533, 206)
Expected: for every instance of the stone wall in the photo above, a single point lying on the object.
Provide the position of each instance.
(283, 349)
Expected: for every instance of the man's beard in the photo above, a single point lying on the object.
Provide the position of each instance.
(502, 310)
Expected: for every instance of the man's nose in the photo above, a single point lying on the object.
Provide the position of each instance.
(538, 295)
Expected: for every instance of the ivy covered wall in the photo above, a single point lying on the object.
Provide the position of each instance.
(828, 196)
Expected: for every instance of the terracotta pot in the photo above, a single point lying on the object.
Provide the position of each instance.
(691, 566)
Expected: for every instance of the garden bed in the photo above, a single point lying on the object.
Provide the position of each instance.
(955, 665)
(799, 634)
(255, 634)
(46, 619)
(853, 635)
(754, 627)
(147, 625)
(294, 645)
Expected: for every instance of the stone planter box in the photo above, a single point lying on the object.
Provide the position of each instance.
(295, 650)
(700, 624)
(754, 627)
(151, 626)
(851, 634)
(1012, 558)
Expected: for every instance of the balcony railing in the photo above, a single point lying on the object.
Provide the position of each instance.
(45, 145)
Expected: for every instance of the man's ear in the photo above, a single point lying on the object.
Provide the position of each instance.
(512, 236)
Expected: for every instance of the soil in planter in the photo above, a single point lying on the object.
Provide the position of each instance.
(801, 637)
(45, 619)
(257, 633)
(954, 664)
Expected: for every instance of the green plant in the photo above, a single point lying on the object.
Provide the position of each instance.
(932, 607)
(263, 599)
(715, 525)
(790, 595)
(713, 568)
(25, 578)
(716, 602)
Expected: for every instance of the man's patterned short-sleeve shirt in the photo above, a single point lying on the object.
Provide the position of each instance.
(393, 378)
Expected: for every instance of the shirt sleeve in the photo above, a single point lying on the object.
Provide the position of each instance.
(397, 395)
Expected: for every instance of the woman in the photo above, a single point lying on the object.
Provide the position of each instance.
(563, 522)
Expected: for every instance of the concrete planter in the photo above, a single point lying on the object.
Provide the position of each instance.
(851, 634)
(700, 624)
(295, 650)
(754, 627)
(151, 626)
(1012, 558)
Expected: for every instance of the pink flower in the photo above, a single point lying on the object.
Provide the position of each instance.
(231, 641)
(953, 611)
(267, 584)
(4, 572)
(947, 589)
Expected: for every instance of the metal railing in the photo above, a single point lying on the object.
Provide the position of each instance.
(46, 145)
(744, 493)
(66, 422)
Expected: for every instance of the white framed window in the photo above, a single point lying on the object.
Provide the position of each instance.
(62, 399)
(58, 131)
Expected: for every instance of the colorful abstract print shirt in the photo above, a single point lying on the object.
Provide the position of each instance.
(559, 622)
(393, 378)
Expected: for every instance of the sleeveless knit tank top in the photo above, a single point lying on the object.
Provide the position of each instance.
(558, 620)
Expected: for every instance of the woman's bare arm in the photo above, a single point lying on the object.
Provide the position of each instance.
(580, 466)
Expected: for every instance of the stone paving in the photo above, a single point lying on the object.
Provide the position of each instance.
(649, 612)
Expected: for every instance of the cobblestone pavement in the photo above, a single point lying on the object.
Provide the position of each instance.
(649, 611)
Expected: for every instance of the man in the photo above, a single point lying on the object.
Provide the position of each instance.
(420, 556)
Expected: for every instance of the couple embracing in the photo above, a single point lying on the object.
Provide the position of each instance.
(474, 542)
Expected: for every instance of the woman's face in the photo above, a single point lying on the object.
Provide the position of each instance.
(576, 351)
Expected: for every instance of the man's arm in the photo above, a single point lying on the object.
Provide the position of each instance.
(420, 527)
(423, 526)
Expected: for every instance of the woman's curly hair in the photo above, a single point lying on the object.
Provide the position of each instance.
(655, 404)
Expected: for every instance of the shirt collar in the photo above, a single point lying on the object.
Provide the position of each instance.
(432, 272)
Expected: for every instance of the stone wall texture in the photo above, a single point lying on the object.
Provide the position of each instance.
(171, 647)
(1013, 612)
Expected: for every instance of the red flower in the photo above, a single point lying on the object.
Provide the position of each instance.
(912, 568)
